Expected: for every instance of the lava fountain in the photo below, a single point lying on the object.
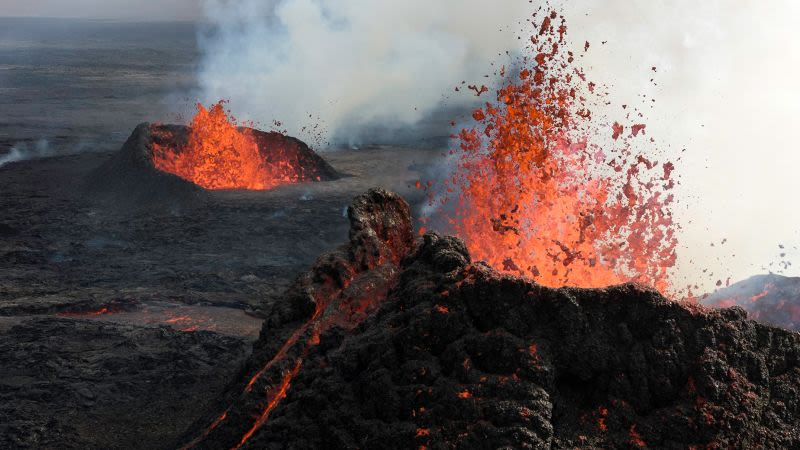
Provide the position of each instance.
(532, 194)
(217, 153)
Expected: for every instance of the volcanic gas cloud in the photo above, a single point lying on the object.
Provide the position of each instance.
(534, 194)
(219, 154)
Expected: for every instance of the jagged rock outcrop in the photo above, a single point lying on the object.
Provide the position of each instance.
(342, 289)
(431, 350)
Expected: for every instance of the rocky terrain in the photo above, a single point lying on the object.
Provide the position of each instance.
(119, 325)
(78, 383)
(771, 299)
(205, 321)
(385, 344)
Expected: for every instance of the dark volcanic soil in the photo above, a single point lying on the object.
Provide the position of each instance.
(58, 248)
(93, 299)
(71, 383)
(385, 344)
(99, 292)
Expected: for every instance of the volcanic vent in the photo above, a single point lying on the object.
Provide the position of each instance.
(215, 153)
(389, 343)
(175, 162)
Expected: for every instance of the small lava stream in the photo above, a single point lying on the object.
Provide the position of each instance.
(180, 317)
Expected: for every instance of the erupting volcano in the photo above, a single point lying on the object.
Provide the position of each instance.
(389, 343)
(533, 192)
(219, 154)
(174, 166)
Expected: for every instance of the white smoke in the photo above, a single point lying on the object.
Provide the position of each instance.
(725, 89)
(25, 151)
(350, 63)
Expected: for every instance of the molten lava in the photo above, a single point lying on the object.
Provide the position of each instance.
(274, 397)
(220, 155)
(88, 313)
(534, 197)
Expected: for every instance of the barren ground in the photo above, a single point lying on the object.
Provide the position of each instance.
(116, 327)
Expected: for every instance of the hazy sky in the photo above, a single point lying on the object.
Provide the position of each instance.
(726, 90)
(104, 9)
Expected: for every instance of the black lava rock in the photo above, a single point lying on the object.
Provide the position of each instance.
(457, 355)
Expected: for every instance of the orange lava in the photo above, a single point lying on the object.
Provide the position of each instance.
(601, 421)
(220, 155)
(208, 430)
(533, 196)
(346, 317)
(92, 313)
(274, 398)
(763, 294)
(636, 439)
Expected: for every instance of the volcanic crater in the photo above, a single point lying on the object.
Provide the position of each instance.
(176, 164)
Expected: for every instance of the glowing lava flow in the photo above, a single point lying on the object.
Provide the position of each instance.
(346, 315)
(285, 348)
(112, 308)
(93, 313)
(278, 393)
(274, 398)
(220, 155)
(211, 428)
(532, 196)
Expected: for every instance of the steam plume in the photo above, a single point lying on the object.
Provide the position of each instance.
(724, 90)
(352, 63)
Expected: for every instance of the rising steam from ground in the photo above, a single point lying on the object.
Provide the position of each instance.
(25, 151)
(351, 63)
(44, 148)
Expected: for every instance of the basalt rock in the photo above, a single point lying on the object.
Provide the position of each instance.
(129, 179)
(448, 353)
(341, 290)
(71, 383)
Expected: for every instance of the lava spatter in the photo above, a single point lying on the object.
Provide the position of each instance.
(534, 195)
(220, 154)
(457, 355)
